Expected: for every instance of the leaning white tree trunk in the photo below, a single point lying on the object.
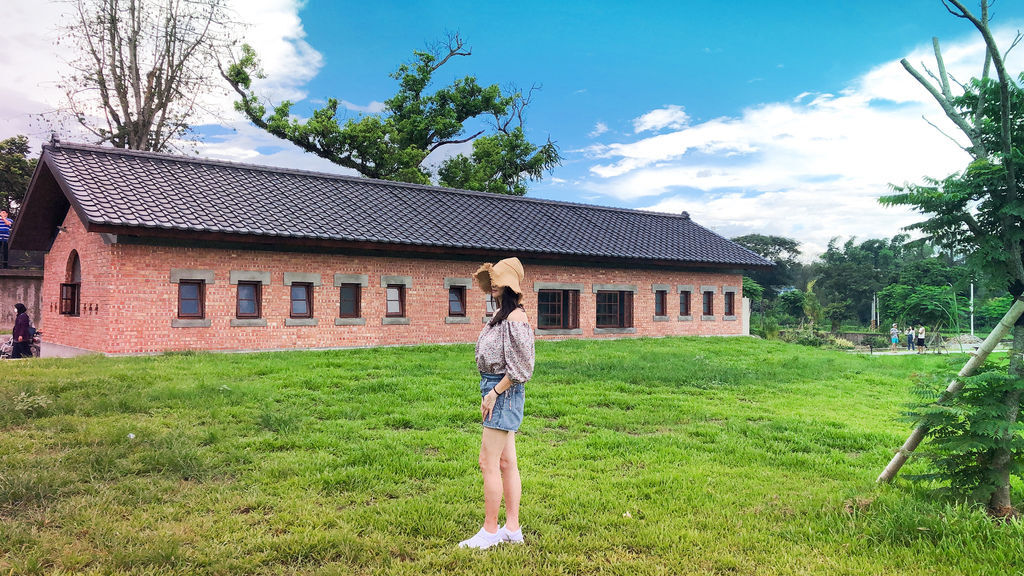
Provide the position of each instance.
(954, 387)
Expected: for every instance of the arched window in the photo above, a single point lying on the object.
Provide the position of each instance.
(70, 289)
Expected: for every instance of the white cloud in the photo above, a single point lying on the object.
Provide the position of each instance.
(671, 116)
(373, 107)
(599, 128)
(811, 168)
(273, 28)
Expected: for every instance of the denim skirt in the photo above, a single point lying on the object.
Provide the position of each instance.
(508, 408)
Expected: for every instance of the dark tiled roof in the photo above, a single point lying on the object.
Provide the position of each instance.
(145, 190)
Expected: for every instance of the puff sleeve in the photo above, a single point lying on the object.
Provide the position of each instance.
(518, 351)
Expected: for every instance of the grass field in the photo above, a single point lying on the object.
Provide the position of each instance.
(649, 456)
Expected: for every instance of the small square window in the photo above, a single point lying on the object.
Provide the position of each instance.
(249, 303)
(709, 303)
(660, 297)
(350, 295)
(301, 300)
(457, 301)
(684, 303)
(69, 299)
(190, 299)
(395, 297)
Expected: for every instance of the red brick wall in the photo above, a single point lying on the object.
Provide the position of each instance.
(129, 301)
(91, 328)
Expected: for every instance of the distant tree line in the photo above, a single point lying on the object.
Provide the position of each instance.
(914, 281)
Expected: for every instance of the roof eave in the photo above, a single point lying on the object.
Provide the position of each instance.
(254, 240)
(43, 208)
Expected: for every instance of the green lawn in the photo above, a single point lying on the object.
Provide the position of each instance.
(650, 456)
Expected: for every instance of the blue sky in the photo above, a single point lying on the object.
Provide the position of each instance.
(785, 118)
(617, 60)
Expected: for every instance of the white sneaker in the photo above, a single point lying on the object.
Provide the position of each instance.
(509, 536)
(482, 540)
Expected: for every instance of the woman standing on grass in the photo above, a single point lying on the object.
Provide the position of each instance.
(505, 357)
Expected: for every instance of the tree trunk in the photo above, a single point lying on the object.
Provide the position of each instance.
(1008, 321)
(1000, 504)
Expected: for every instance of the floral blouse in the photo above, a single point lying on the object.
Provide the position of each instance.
(506, 348)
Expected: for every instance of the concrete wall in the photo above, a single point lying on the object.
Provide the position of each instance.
(22, 286)
(129, 298)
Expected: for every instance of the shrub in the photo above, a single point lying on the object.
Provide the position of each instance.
(816, 339)
(967, 431)
(31, 405)
(842, 343)
(878, 341)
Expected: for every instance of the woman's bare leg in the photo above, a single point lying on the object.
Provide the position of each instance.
(491, 447)
(513, 485)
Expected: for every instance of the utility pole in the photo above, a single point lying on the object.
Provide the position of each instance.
(874, 312)
(972, 308)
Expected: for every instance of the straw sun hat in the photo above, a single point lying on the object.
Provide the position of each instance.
(505, 273)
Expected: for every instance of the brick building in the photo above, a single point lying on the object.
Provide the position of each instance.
(151, 252)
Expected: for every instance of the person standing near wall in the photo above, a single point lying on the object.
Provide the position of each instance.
(894, 337)
(5, 236)
(505, 359)
(910, 333)
(920, 339)
(21, 333)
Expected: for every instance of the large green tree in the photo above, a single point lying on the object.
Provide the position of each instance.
(15, 172)
(852, 273)
(783, 252)
(978, 212)
(394, 144)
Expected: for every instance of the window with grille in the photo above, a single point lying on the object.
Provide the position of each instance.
(614, 309)
(69, 299)
(558, 309)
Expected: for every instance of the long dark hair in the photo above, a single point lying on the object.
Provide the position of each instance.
(508, 300)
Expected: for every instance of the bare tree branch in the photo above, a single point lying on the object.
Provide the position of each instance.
(144, 66)
(1004, 92)
(941, 131)
(977, 146)
(454, 45)
(943, 77)
(440, 143)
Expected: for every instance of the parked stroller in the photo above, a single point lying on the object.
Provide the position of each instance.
(7, 347)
